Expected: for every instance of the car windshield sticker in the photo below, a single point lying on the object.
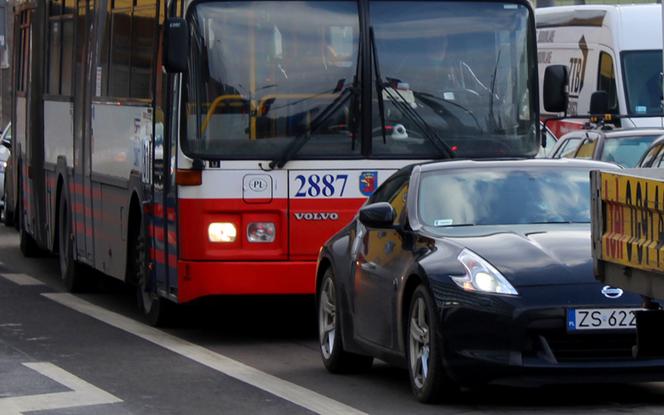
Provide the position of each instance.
(443, 222)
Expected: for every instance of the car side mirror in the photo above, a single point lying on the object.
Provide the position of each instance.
(555, 88)
(599, 103)
(176, 42)
(377, 215)
(7, 142)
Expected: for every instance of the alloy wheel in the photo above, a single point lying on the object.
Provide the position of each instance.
(420, 342)
(327, 319)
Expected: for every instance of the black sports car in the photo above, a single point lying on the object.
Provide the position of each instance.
(473, 271)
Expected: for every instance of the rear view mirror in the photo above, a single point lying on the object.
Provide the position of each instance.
(377, 215)
(599, 103)
(555, 88)
(176, 43)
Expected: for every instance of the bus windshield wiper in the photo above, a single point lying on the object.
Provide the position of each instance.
(323, 116)
(400, 102)
(427, 99)
(319, 120)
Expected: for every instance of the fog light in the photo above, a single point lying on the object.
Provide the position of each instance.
(222, 232)
(261, 232)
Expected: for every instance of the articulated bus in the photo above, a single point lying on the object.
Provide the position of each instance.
(201, 148)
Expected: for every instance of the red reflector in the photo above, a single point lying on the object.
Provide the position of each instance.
(188, 177)
(454, 148)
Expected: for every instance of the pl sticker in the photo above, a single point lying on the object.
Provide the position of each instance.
(368, 182)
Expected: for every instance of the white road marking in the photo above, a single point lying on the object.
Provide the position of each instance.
(22, 279)
(283, 389)
(82, 393)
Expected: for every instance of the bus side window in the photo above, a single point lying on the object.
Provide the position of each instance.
(606, 80)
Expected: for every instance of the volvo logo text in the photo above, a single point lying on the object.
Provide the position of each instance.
(612, 292)
(316, 216)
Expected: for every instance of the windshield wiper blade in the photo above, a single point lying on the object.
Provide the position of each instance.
(320, 119)
(403, 106)
(425, 97)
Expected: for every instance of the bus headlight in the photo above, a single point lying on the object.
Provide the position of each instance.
(261, 232)
(222, 232)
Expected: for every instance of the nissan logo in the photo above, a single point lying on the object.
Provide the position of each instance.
(611, 292)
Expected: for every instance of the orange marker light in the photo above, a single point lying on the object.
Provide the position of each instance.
(185, 177)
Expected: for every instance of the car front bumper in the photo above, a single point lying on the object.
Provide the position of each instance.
(525, 338)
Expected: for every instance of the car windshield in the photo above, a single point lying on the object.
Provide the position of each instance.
(626, 151)
(469, 81)
(504, 196)
(643, 81)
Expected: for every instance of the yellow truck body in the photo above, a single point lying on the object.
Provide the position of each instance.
(628, 229)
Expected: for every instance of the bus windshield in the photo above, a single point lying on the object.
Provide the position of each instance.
(266, 77)
(464, 67)
(643, 81)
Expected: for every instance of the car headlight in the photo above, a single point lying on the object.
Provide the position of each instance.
(3, 166)
(481, 276)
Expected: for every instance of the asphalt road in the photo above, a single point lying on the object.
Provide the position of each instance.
(91, 354)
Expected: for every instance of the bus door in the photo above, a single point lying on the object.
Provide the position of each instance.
(21, 125)
(163, 223)
(80, 191)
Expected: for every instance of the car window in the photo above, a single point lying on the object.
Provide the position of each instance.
(504, 196)
(659, 160)
(398, 202)
(547, 151)
(569, 148)
(586, 150)
(626, 151)
(650, 156)
(386, 191)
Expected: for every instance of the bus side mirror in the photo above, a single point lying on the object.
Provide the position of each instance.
(176, 42)
(555, 88)
(599, 103)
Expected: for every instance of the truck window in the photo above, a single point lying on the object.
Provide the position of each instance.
(606, 80)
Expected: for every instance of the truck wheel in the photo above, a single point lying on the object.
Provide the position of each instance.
(158, 311)
(70, 271)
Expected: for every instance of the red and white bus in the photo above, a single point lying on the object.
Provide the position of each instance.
(205, 148)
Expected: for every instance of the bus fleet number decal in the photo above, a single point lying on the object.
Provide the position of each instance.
(315, 185)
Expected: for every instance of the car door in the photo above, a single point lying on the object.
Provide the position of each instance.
(379, 260)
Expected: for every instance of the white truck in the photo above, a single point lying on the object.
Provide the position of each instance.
(612, 48)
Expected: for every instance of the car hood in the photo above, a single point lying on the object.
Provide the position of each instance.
(531, 255)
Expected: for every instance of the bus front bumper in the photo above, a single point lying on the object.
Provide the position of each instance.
(207, 278)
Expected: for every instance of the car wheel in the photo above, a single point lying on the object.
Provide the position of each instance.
(427, 374)
(157, 310)
(335, 358)
(70, 271)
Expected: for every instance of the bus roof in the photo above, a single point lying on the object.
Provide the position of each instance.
(632, 27)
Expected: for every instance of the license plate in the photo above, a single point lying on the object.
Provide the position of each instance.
(601, 319)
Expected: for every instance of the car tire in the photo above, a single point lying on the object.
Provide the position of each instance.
(70, 270)
(423, 350)
(157, 311)
(335, 358)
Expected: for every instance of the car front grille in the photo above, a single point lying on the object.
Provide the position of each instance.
(583, 347)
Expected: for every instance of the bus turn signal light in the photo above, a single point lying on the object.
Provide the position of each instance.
(222, 232)
(184, 177)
